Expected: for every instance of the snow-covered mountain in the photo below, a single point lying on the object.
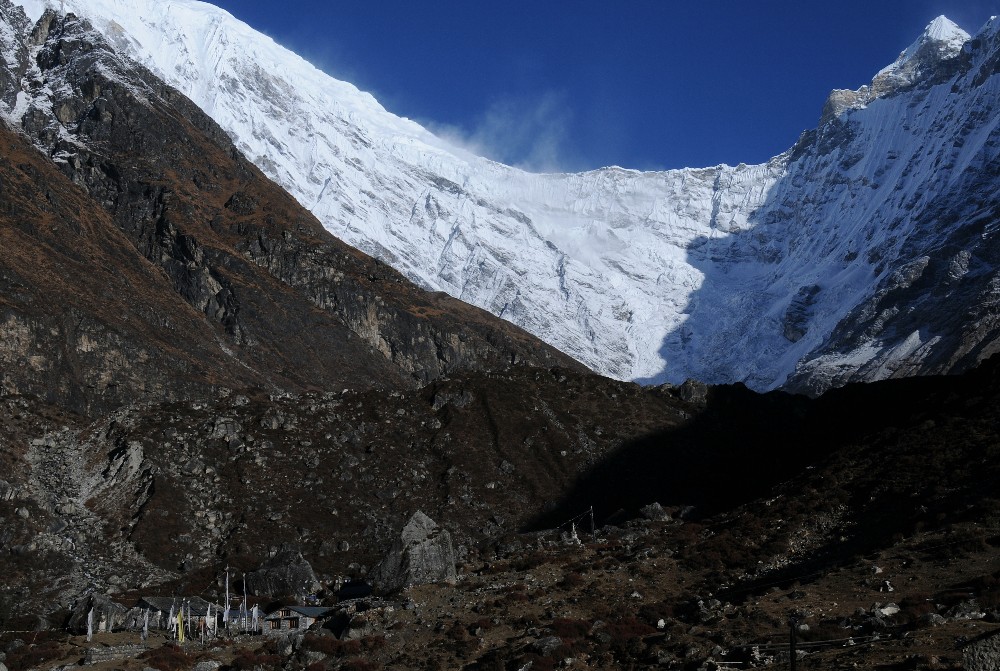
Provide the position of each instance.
(843, 258)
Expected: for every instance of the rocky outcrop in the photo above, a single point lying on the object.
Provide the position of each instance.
(798, 316)
(107, 615)
(422, 554)
(287, 573)
(983, 653)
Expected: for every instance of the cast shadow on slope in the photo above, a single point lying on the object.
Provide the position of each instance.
(714, 342)
(742, 445)
(739, 446)
(815, 290)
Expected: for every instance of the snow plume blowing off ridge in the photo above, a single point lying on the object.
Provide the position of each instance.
(809, 270)
(529, 134)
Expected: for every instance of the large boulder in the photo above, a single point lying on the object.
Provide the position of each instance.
(108, 615)
(982, 653)
(287, 573)
(422, 554)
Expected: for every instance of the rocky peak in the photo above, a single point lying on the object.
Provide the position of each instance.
(940, 42)
(930, 58)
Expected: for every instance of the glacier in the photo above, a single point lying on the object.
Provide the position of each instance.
(778, 274)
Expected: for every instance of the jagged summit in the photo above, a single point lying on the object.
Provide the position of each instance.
(927, 59)
(941, 40)
(943, 29)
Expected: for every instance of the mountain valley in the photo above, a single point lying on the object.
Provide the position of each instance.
(198, 380)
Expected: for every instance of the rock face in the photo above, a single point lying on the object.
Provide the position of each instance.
(422, 554)
(107, 614)
(285, 574)
(983, 654)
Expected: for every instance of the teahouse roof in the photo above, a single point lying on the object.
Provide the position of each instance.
(307, 611)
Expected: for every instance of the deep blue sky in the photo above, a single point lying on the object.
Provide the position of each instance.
(583, 84)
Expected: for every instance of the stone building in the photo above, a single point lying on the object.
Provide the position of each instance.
(294, 618)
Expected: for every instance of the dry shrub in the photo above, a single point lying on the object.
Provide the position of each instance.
(827, 630)
(494, 660)
(651, 612)
(332, 647)
(572, 580)
(168, 657)
(351, 647)
(538, 662)
(516, 593)
(497, 567)
(529, 561)
(373, 643)
(457, 632)
(328, 645)
(568, 628)
(988, 591)
(915, 606)
(628, 629)
(251, 660)
(360, 664)
(483, 623)
(33, 655)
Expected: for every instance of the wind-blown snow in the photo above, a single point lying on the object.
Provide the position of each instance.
(722, 274)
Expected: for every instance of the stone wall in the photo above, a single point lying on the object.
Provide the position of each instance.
(111, 653)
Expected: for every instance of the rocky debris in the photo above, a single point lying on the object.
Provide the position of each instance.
(799, 316)
(359, 618)
(287, 644)
(206, 665)
(304, 658)
(655, 513)
(546, 645)
(967, 610)
(693, 391)
(422, 554)
(458, 398)
(932, 619)
(287, 573)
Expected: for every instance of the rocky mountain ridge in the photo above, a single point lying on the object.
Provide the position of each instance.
(206, 273)
(799, 272)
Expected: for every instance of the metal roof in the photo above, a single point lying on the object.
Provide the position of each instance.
(308, 611)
